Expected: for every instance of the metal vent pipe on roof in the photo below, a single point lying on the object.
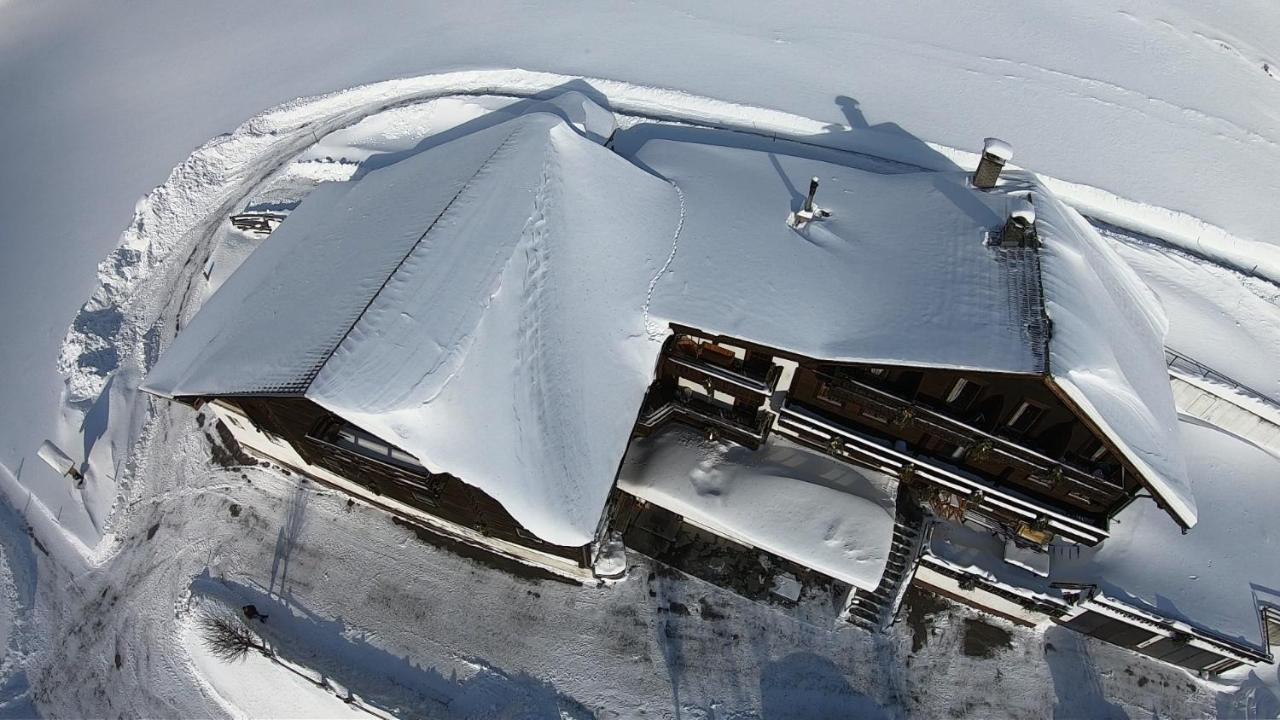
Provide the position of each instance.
(813, 190)
(995, 153)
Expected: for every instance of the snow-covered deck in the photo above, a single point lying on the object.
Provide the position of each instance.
(784, 498)
(1215, 578)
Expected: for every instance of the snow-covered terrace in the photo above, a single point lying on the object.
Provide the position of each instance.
(785, 499)
(1215, 578)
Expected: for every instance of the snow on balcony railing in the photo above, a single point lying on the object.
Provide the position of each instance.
(1182, 363)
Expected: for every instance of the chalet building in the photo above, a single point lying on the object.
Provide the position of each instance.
(532, 343)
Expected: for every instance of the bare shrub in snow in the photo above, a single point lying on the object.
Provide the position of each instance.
(227, 636)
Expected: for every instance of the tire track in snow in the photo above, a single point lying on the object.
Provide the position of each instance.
(653, 284)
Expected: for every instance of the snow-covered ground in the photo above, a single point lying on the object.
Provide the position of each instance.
(1175, 111)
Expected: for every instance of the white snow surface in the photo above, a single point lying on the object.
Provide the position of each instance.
(1214, 576)
(1107, 350)
(898, 274)
(1170, 109)
(104, 101)
(783, 498)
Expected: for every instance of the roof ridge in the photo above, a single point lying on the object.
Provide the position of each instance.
(315, 372)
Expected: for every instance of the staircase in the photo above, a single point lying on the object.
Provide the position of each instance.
(874, 610)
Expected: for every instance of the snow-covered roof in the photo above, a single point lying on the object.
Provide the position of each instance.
(479, 304)
(898, 274)
(1107, 350)
(784, 498)
(494, 305)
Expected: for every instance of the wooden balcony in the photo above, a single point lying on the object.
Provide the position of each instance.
(848, 444)
(974, 449)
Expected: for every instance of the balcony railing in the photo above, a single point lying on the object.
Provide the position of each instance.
(1045, 472)
(850, 445)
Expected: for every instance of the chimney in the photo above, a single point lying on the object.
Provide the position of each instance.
(995, 153)
(1020, 229)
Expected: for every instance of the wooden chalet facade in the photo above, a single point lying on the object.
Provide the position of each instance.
(1005, 452)
(304, 436)
(1003, 449)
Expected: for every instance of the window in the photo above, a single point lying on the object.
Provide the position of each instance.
(422, 497)
(352, 439)
(1025, 417)
(827, 393)
(963, 393)
(1272, 616)
(1094, 450)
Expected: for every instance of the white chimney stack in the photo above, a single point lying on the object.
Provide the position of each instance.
(995, 153)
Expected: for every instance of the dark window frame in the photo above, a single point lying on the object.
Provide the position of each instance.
(963, 394)
(330, 430)
(1013, 422)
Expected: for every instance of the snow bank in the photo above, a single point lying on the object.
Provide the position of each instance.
(1107, 350)
(784, 498)
(1214, 576)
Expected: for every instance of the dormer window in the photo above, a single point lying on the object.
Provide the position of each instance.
(1025, 417)
(963, 393)
(352, 439)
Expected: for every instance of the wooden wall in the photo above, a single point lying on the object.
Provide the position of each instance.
(295, 419)
(1059, 437)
